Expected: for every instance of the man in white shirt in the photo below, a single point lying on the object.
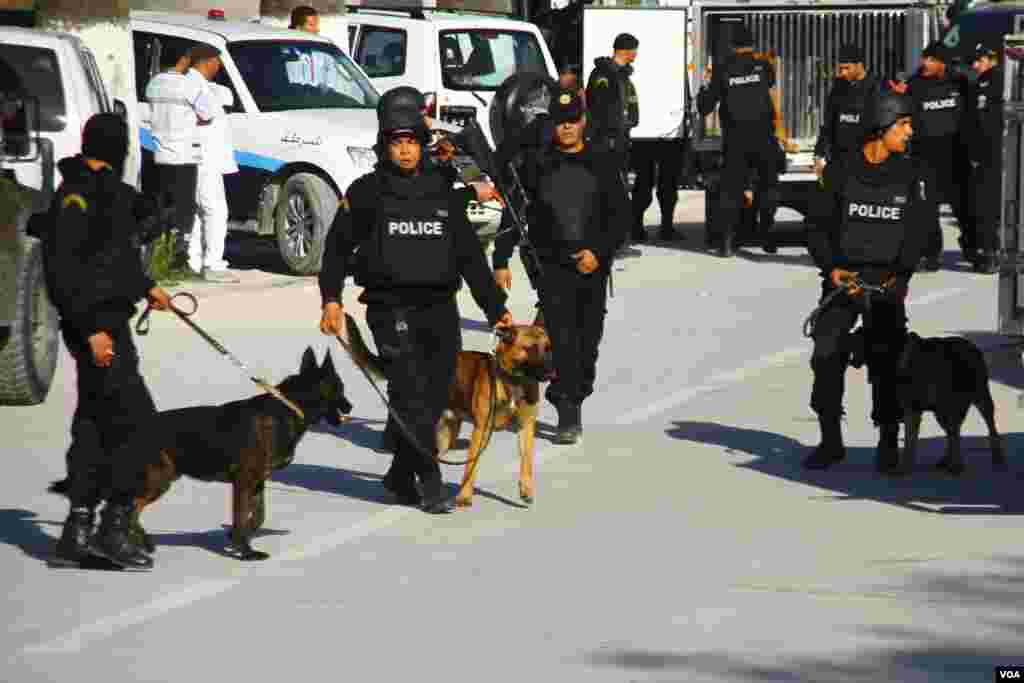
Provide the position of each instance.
(210, 228)
(179, 105)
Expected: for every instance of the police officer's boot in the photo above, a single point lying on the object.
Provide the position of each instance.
(73, 546)
(570, 423)
(435, 500)
(986, 262)
(831, 449)
(727, 249)
(887, 456)
(113, 539)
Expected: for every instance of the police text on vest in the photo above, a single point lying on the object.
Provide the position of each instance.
(933, 105)
(416, 228)
(888, 213)
(744, 80)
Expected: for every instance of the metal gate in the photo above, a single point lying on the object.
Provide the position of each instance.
(1011, 296)
(807, 42)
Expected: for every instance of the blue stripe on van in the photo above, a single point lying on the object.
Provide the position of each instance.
(249, 159)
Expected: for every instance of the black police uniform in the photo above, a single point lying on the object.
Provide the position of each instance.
(842, 128)
(938, 117)
(871, 219)
(742, 85)
(661, 160)
(985, 128)
(415, 245)
(95, 278)
(577, 203)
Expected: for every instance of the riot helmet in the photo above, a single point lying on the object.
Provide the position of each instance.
(885, 110)
(401, 110)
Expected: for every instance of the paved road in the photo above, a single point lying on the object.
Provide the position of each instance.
(680, 542)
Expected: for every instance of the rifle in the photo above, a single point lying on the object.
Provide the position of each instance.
(470, 138)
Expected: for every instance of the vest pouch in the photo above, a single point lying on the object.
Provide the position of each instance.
(411, 245)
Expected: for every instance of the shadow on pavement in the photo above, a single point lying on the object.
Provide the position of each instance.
(981, 491)
(22, 529)
(907, 654)
(787, 235)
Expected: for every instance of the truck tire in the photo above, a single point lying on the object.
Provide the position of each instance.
(28, 357)
(304, 214)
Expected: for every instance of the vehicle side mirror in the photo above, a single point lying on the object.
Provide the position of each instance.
(120, 109)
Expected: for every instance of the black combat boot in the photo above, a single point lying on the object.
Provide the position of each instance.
(887, 456)
(403, 488)
(570, 423)
(73, 546)
(436, 500)
(113, 539)
(931, 264)
(831, 449)
(986, 262)
(727, 249)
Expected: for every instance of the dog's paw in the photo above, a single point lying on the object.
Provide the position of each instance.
(462, 501)
(526, 494)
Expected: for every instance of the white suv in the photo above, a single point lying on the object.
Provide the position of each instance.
(303, 123)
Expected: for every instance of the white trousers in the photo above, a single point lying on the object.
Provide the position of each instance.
(206, 244)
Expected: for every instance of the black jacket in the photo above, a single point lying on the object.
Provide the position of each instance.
(923, 90)
(844, 96)
(612, 102)
(611, 214)
(93, 267)
(757, 115)
(825, 213)
(358, 216)
(984, 118)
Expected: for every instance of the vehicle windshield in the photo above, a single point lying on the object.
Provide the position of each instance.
(481, 59)
(287, 75)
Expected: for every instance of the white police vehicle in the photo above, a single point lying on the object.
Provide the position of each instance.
(303, 123)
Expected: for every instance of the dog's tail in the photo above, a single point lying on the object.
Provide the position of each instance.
(360, 352)
(61, 487)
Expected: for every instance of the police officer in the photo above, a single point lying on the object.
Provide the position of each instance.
(985, 128)
(615, 109)
(842, 129)
(745, 87)
(577, 203)
(414, 244)
(661, 160)
(869, 221)
(939, 100)
(94, 276)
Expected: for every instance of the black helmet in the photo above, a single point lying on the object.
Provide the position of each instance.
(105, 137)
(885, 110)
(401, 109)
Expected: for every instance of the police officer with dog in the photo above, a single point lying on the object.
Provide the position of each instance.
(95, 278)
(578, 205)
(842, 128)
(985, 133)
(414, 245)
(867, 229)
(744, 86)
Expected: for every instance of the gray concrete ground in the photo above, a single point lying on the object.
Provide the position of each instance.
(680, 542)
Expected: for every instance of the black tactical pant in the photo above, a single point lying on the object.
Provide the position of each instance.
(952, 171)
(112, 403)
(986, 200)
(885, 328)
(746, 153)
(574, 308)
(650, 159)
(420, 365)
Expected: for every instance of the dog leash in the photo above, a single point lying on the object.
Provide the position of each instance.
(811, 322)
(142, 329)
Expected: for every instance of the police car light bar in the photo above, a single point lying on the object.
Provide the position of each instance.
(215, 14)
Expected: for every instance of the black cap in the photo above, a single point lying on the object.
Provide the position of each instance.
(105, 138)
(741, 36)
(625, 41)
(400, 110)
(851, 54)
(566, 106)
(935, 50)
(984, 50)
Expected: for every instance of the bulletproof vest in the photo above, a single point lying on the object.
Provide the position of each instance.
(568, 192)
(874, 221)
(411, 244)
(747, 83)
(938, 108)
(849, 122)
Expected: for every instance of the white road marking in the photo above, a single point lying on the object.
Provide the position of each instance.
(81, 637)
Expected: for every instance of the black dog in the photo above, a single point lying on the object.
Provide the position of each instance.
(241, 443)
(946, 376)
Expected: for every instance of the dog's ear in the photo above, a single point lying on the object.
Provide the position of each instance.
(328, 366)
(506, 334)
(308, 361)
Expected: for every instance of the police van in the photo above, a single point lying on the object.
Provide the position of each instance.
(303, 123)
(457, 58)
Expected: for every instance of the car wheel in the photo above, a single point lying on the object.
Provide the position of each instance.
(304, 214)
(28, 355)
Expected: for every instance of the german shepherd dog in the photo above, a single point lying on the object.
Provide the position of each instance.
(520, 363)
(240, 442)
(944, 376)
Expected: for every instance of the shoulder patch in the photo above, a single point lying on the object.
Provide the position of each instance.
(601, 82)
(75, 200)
